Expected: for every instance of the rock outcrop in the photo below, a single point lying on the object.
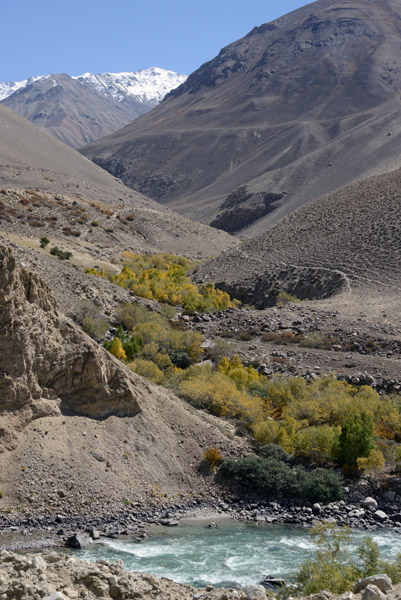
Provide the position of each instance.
(48, 365)
(62, 577)
(79, 432)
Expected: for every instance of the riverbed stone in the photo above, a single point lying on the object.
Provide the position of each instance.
(255, 592)
(370, 503)
(380, 515)
(38, 563)
(372, 592)
(94, 534)
(382, 581)
(347, 596)
(396, 518)
(390, 495)
(169, 522)
(78, 541)
(323, 595)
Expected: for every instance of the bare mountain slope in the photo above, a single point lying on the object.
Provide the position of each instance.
(297, 108)
(31, 159)
(73, 418)
(348, 241)
(71, 112)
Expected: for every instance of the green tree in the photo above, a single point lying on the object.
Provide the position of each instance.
(356, 440)
(332, 567)
(335, 565)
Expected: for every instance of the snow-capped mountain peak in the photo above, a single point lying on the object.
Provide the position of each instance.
(9, 87)
(147, 85)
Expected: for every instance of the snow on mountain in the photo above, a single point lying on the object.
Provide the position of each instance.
(147, 85)
(9, 87)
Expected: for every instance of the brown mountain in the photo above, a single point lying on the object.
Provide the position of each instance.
(72, 112)
(348, 242)
(64, 181)
(292, 111)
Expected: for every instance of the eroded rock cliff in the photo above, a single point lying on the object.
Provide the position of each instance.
(48, 365)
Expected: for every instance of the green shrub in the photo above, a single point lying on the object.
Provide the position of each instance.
(61, 254)
(132, 347)
(130, 314)
(44, 241)
(96, 328)
(147, 369)
(154, 339)
(336, 565)
(275, 451)
(332, 567)
(274, 478)
(356, 440)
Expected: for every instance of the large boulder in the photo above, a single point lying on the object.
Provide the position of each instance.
(78, 541)
(255, 592)
(380, 515)
(383, 582)
(369, 503)
(372, 592)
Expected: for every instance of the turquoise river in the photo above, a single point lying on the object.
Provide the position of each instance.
(234, 553)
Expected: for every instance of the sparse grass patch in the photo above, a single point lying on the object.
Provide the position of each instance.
(286, 298)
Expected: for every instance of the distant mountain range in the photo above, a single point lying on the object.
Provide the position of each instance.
(292, 111)
(78, 110)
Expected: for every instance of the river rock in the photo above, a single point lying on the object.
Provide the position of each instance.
(78, 541)
(370, 503)
(270, 581)
(383, 582)
(372, 592)
(255, 592)
(94, 534)
(396, 518)
(56, 596)
(38, 563)
(323, 595)
(380, 515)
(169, 522)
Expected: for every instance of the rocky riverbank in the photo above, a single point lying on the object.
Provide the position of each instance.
(30, 532)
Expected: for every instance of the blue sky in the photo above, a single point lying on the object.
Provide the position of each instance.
(74, 36)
